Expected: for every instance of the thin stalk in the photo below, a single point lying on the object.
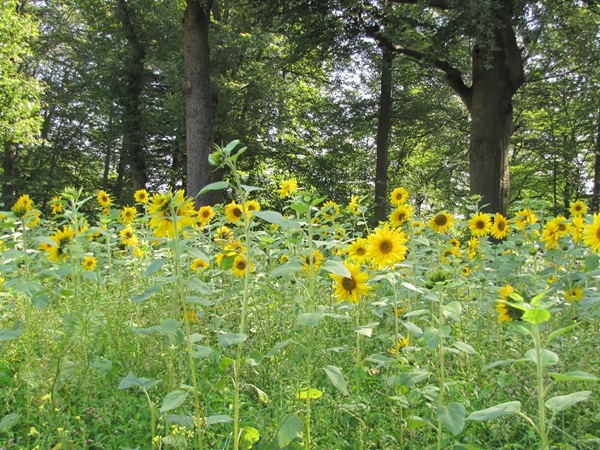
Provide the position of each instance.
(441, 371)
(309, 359)
(540, 388)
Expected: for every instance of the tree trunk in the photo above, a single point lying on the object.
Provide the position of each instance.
(198, 101)
(133, 125)
(383, 133)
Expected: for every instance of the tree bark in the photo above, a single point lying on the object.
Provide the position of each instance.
(198, 101)
(383, 133)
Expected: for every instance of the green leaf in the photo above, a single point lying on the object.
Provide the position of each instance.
(452, 417)
(9, 334)
(562, 402)
(366, 330)
(547, 358)
(290, 429)
(336, 268)
(414, 423)
(411, 287)
(591, 262)
(248, 438)
(250, 189)
(408, 378)
(574, 376)
(311, 393)
(561, 331)
(218, 418)
(199, 301)
(131, 380)
(169, 328)
(337, 378)
(536, 316)
(9, 421)
(276, 348)
(464, 347)
(500, 410)
(263, 397)
(276, 218)
(227, 262)
(147, 293)
(255, 358)
(286, 269)
(310, 319)
(154, 267)
(503, 362)
(201, 351)
(228, 339)
(453, 310)
(173, 400)
(216, 186)
(413, 328)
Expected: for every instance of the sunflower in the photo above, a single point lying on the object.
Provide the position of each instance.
(32, 218)
(466, 271)
(198, 264)
(400, 215)
(500, 228)
(205, 215)
(577, 227)
(22, 206)
(550, 235)
(524, 217)
(574, 294)
(330, 210)
(56, 205)
(417, 226)
(399, 345)
(128, 237)
(353, 205)
(385, 246)
(89, 262)
(317, 260)
(507, 312)
(240, 265)
(141, 196)
(398, 196)
(170, 212)
(578, 208)
(104, 199)
(223, 235)
(472, 247)
(452, 252)
(591, 234)
(128, 214)
(287, 188)
(351, 288)
(442, 222)
(61, 238)
(234, 212)
(480, 224)
(563, 226)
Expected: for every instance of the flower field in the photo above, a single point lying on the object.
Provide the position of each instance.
(159, 325)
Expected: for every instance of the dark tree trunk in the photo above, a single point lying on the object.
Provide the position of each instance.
(198, 101)
(134, 139)
(383, 133)
(596, 188)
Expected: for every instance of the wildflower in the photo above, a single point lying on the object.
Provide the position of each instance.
(398, 196)
(61, 238)
(252, 205)
(507, 312)
(205, 215)
(442, 222)
(466, 271)
(198, 264)
(330, 210)
(591, 234)
(550, 235)
(472, 247)
(578, 208)
(500, 228)
(399, 345)
(400, 215)
(577, 228)
(283, 259)
(287, 188)
(524, 217)
(357, 250)
(573, 294)
(170, 212)
(386, 246)
(56, 205)
(563, 227)
(128, 237)
(454, 242)
(89, 262)
(351, 288)
(233, 212)
(453, 252)
(138, 252)
(240, 265)
(141, 196)
(480, 224)
(22, 206)
(128, 214)
(223, 235)
(353, 205)
(316, 259)
(104, 199)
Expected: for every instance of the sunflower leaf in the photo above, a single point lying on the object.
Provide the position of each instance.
(562, 402)
(336, 268)
(216, 186)
(493, 412)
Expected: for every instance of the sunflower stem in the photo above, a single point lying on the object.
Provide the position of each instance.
(540, 387)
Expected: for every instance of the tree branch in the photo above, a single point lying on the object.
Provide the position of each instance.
(441, 4)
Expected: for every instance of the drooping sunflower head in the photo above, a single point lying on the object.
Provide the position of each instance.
(223, 235)
(500, 228)
(104, 199)
(23, 205)
(61, 238)
(401, 215)
(141, 196)
(234, 212)
(56, 205)
(385, 246)
(353, 205)
(170, 212)
(398, 196)
(480, 224)
(578, 208)
(351, 288)
(400, 344)
(573, 294)
(128, 237)
(441, 222)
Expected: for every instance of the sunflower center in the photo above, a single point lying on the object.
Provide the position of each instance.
(237, 212)
(562, 227)
(501, 225)
(480, 224)
(401, 217)
(241, 265)
(349, 284)
(598, 233)
(361, 251)
(440, 220)
(385, 246)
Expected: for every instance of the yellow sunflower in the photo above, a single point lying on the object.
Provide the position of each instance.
(357, 250)
(240, 265)
(578, 208)
(398, 196)
(351, 288)
(205, 215)
(591, 234)
(353, 205)
(56, 205)
(506, 312)
(104, 199)
(385, 246)
(317, 260)
(550, 235)
(170, 212)
(525, 217)
(128, 214)
(480, 224)
(562, 225)
(577, 227)
(500, 228)
(401, 215)
(22, 206)
(223, 235)
(442, 222)
(198, 264)
(472, 247)
(252, 205)
(399, 345)
(573, 294)
(330, 210)
(234, 212)
(61, 238)
(128, 237)
(89, 262)
(141, 196)
(287, 187)
(449, 253)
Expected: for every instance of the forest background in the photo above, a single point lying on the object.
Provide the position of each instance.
(94, 95)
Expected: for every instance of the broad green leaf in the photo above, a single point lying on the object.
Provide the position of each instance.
(169, 327)
(218, 185)
(417, 312)
(196, 285)
(411, 287)
(591, 262)
(9, 421)
(464, 347)
(379, 359)
(574, 376)
(500, 410)
(547, 358)
(410, 326)
(290, 429)
(227, 262)
(503, 362)
(250, 189)
(337, 378)
(414, 423)
(173, 400)
(276, 348)
(201, 351)
(248, 438)
(453, 310)
(9, 334)
(562, 402)
(131, 380)
(408, 378)
(147, 293)
(561, 331)
(276, 218)
(452, 416)
(199, 301)
(536, 316)
(366, 330)
(154, 267)
(255, 358)
(218, 418)
(286, 269)
(310, 319)
(263, 397)
(336, 268)
(228, 339)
